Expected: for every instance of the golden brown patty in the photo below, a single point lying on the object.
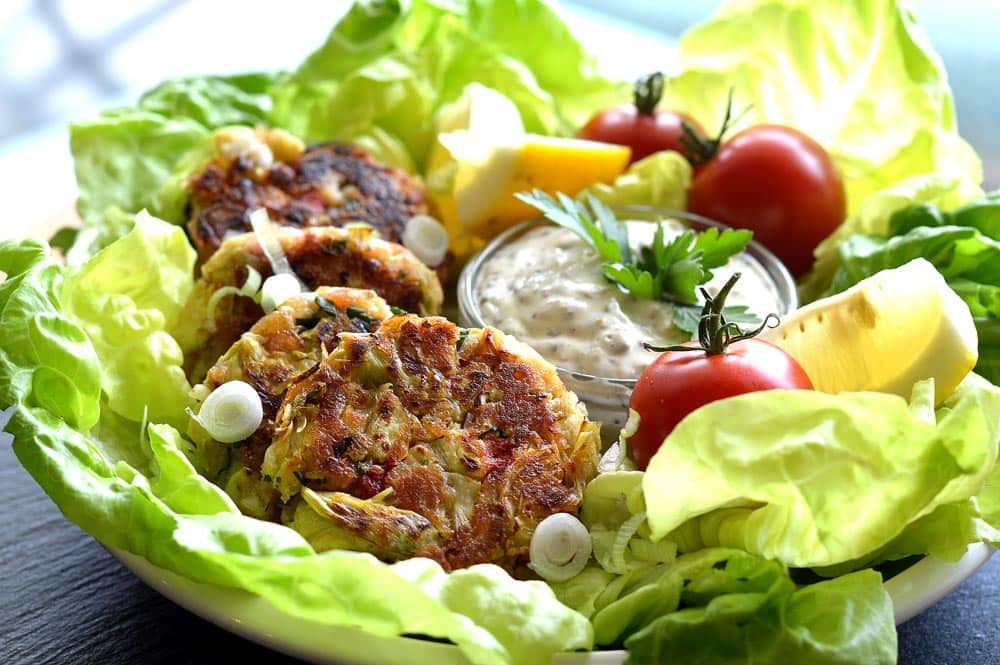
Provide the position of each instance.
(327, 185)
(273, 353)
(424, 439)
(326, 256)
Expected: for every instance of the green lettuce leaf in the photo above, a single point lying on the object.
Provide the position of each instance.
(45, 360)
(660, 180)
(727, 606)
(214, 101)
(872, 218)
(839, 621)
(728, 476)
(126, 297)
(963, 245)
(948, 530)
(405, 60)
(124, 157)
(176, 481)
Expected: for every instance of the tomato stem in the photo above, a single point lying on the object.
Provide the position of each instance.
(698, 149)
(715, 334)
(647, 93)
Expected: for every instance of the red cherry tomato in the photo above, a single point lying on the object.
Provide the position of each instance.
(678, 382)
(644, 134)
(724, 362)
(639, 125)
(777, 182)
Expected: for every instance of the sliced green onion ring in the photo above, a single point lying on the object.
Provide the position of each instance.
(277, 289)
(231, 413)
(427, 238)
(560, 547)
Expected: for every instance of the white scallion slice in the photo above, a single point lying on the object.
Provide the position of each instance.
(560, 547)
(264, 230)
(427, 238)
(231, 413)
(277, 289)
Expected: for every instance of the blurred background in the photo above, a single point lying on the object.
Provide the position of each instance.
(62, 60)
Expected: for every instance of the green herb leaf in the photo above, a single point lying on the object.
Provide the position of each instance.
(360, 315)
(326, 306)
(658, 271)
(681, 266)
(613, 228)
(636, 281)
(572, 215)
(717, 247)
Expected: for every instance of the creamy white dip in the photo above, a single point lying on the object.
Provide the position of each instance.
(546, 288)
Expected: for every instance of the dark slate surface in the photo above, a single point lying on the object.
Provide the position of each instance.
(65, 600)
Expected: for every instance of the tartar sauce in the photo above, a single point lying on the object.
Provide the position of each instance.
(546, 288)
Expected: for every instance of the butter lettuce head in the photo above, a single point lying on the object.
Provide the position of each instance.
(859, 77)
(124, 156)
(813, 479)
(388, 67)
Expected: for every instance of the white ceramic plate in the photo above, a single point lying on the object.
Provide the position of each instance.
(244, 614)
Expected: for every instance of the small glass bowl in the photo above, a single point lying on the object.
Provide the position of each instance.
(606, 397)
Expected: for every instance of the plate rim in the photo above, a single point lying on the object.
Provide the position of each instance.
(251, 617)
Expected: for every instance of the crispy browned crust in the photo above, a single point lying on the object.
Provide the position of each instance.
(298, 193)
(276, 350)
(470, 430)
(325, 256)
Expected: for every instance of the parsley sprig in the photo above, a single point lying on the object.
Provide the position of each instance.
(670, 271)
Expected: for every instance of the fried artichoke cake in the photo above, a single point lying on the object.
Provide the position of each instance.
(424, 439)
(322, 185)
(272, 354)
(326, 256)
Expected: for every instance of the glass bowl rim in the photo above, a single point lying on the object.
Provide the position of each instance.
(469, 308)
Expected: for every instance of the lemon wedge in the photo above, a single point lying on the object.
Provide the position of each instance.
(480, 111)
(884, 334)
(475, 170)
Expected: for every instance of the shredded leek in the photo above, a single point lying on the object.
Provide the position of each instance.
(616, 458)
(617, 563)
(249, 289)
(264, 230)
